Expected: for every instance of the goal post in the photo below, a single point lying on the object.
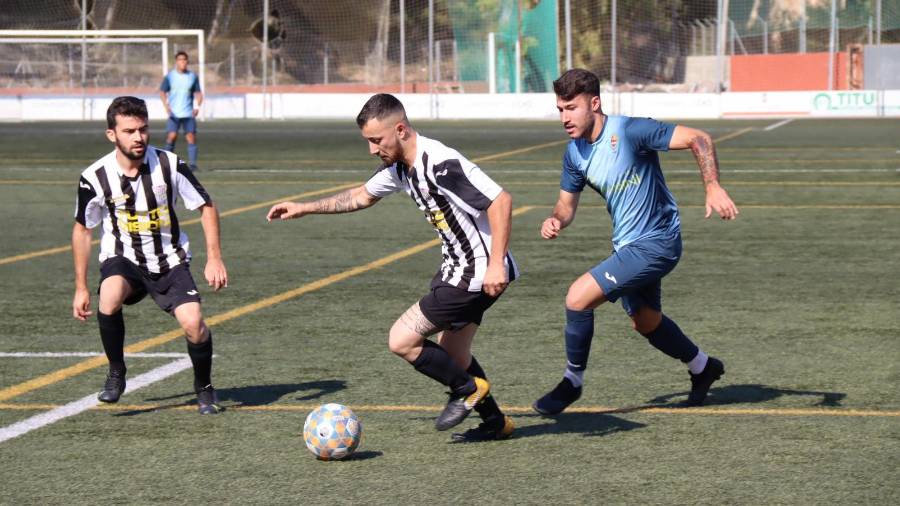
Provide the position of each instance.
(164, 38)
(162, 42)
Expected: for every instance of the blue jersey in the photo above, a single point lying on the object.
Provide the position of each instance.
(622, 165)
(181, 89)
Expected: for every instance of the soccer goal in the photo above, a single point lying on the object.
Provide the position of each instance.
(61, 60)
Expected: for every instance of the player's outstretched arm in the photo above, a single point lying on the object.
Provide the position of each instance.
(562, 216)
(499, 215)
(215, 272)
(347, 201)
(81, 250)
(701, 144)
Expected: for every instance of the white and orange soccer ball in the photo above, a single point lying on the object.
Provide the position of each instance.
(332, 431)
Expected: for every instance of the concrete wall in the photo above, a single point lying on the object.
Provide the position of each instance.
(787, 72)
(855, 103)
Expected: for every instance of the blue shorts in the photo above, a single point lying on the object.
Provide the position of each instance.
(634, 273)
(188, 124)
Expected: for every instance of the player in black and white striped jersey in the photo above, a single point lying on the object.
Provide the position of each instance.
(132, 193)
(472, 215)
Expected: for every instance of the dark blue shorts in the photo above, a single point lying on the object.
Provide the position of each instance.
(188, 124)
(168, 290)
(634, 273)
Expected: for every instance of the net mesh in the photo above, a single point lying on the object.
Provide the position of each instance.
(347, 45)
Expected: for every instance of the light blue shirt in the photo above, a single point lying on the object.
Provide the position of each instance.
(622, 165)
(181, 89)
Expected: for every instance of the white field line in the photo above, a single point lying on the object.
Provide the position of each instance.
(58, 354)
(781, 123)
(89, 401)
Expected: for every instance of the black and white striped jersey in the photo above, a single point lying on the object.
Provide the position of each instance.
(454, 194)
(138, 214)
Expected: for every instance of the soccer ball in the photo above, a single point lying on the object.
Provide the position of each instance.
(332, 431)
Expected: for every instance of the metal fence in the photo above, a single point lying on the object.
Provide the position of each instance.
(438, 46)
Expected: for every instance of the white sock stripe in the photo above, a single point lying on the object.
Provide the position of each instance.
(576, 377)
(698, 363)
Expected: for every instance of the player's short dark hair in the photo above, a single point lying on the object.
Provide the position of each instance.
(574, 82)
(181, 53)
(380, 106)
(125, 106)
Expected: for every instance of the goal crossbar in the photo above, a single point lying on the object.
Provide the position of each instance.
(162, 41)
(90, 34)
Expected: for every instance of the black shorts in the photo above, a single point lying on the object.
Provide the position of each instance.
(452, 308)
(168, 290)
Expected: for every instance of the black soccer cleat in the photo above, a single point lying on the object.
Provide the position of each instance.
(113, 388)
(207, 401)
(486, 432)
(459, 407)
(700, 383)
(558, 399)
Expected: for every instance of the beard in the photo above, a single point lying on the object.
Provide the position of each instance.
(131, 155)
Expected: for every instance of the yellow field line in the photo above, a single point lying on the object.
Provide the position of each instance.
(61, 249)
(600, 410)
(699, 184)
(766, 206)
(86, 365)
(37, 182)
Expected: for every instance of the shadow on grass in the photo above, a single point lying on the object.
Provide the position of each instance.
(255, 395)
(362, 456)
(586, 424)
(752, 393)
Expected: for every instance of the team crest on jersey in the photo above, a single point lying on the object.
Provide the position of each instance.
(160, 190)
(613, 142)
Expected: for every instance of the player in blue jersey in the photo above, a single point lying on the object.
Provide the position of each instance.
(181, 96)
(617, 157)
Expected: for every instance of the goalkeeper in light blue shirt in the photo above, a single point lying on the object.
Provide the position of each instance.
(617, 157)
(181, 96)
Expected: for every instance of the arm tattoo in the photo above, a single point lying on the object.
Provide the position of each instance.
(705, 153)
(343, 202)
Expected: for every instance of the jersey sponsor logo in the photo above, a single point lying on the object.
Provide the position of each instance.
(141, 221)
(121, 199)
(610, 277)
(437, 220)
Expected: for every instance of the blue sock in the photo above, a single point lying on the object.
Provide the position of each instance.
(579, 333)
(669, 339)
(170, 146)
(192, 154)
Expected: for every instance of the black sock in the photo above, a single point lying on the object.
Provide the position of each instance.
(201, 356)
(435, 363)
(112, 334)
(487, 409)
(669, 339)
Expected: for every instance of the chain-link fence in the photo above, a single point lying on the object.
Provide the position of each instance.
(441, 46)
